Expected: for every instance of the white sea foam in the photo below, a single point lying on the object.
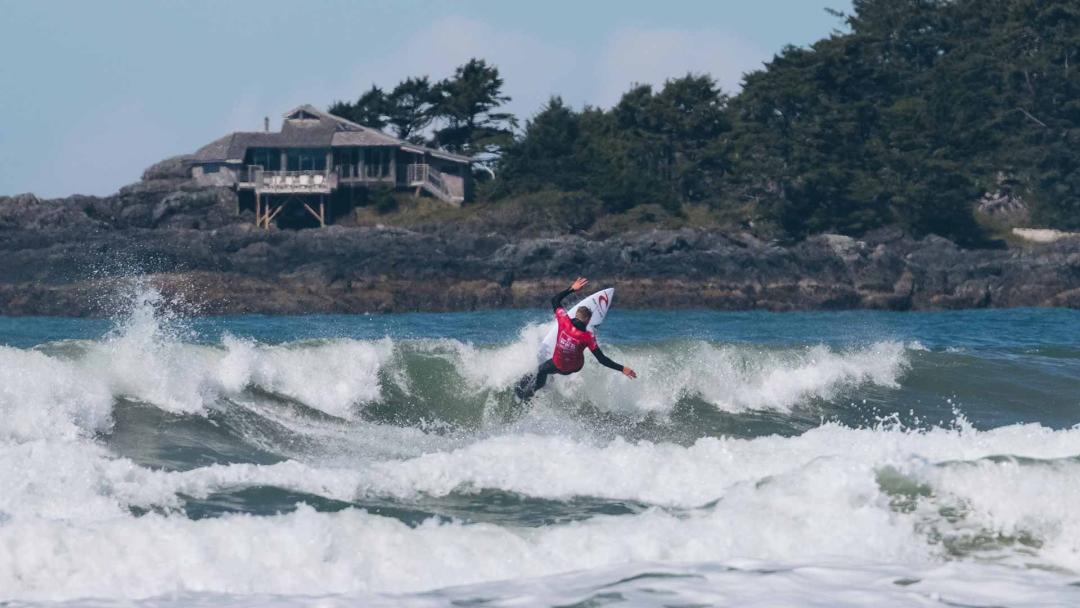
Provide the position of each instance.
(1006, 498)
(145, 359)
(670, 475)
(743, 583)
(145, 364)
(813, 499)
(43, 397)
(733, 378)
(740, 378)
(332, 377)
(351, 551)
(499, 367)
(816, 498)
(828, 512)
(178, 377)
(834, 516)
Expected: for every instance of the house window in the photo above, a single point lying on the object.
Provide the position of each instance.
(304, 159)
(268, 159)
(376, 162)
(347, 162)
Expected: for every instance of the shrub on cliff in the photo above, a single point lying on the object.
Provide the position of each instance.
(383, 200)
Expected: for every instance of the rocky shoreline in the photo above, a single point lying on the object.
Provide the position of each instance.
(67, 256)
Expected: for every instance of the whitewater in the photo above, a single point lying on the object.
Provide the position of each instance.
(826, 459)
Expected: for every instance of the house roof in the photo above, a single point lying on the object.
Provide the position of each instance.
(306, 126)
(435, 152)
(233, 146)
(367, 137)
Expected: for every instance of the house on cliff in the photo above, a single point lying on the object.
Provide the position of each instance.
(319, 167)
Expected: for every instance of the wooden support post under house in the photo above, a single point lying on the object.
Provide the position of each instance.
(318, 215)
(270, 216)
(258, 209)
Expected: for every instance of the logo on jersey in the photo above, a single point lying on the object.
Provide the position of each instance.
(567, 343)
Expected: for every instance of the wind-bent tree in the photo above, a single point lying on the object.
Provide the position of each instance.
(370, 110)
(466, 105)
(409, 108)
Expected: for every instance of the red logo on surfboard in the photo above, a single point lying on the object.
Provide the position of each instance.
(603, 301)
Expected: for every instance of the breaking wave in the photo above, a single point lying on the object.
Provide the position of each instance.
(149, 463)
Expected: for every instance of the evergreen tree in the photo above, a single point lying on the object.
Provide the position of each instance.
(546, 155)
(903, 118)
(409, 108)
(467, 105)
(370, 110)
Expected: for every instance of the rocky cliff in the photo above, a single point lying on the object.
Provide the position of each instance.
(65, 256)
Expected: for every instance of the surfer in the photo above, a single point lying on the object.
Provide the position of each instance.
(570, 344)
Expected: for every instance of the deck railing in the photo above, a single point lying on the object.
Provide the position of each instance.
(449, 188)
(293, 181)
(430, 178)
(416, 174)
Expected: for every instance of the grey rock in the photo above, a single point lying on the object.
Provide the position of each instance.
(59, 256)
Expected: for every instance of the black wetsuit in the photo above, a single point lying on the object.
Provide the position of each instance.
(528, 385)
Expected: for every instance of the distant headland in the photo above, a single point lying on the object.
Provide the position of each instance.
(892, 165)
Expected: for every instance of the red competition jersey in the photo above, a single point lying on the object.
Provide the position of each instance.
(570, 344)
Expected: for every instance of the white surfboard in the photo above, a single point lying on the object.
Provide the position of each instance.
(599, 303)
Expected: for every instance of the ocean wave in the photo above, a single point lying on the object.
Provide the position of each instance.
(807, 505)
(117, 454)
(341, 377)
(352, 551)
(41, 396)
(823, 492)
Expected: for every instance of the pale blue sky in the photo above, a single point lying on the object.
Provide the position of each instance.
(93, 92)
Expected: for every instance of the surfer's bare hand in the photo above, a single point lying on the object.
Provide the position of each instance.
(579, 283)
(629, 373)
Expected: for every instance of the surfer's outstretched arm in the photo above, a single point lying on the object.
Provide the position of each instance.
(556, 302)
(608, 363)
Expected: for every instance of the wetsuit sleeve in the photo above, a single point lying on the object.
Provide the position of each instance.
(556, 302)
(602, 358)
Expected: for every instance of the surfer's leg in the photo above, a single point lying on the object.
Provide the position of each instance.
(546, 369)
(524, 387)
(524, 391)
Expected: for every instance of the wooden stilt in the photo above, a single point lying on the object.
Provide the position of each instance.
(319, 215)
(270, 216)
(258, 209)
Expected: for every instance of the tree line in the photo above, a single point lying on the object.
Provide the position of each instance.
(905, 118)
(459, 114)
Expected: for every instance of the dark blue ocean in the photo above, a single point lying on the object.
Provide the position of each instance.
(760, 459)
